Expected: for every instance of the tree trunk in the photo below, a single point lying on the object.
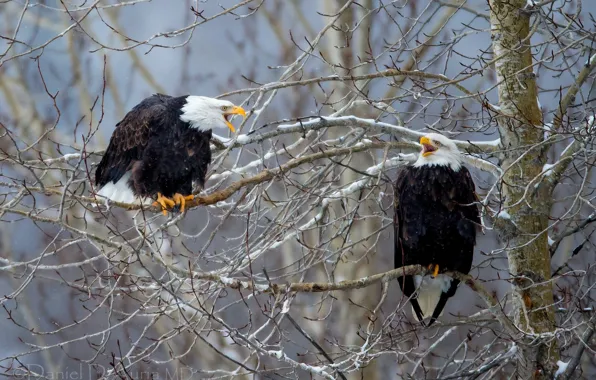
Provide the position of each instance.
(523, 221)
(342, 51)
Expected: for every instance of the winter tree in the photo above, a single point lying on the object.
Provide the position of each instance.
(283, 264)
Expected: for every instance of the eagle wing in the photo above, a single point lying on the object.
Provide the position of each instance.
(467, 201)
(130, 138)
(406, 283)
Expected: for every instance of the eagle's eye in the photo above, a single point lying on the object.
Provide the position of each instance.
(438, 144)
(225, 108)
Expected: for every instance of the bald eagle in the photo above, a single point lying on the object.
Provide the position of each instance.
(436, 219)
(160, 147)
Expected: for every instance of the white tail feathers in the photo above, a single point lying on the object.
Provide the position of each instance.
(119, 191)
(429, 292)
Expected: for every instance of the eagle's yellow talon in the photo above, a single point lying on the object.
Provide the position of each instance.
(165, 203)
(181, 200)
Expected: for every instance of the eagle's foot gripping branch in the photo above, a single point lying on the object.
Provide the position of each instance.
(165, 203)
(181, 200)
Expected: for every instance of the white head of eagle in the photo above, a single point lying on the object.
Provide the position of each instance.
(439, 150)
(160, 148)
(206, 113)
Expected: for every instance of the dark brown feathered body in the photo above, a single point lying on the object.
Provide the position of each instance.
(436, 220)
(152, 150)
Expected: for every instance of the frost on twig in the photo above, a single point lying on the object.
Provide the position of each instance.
(283, 265)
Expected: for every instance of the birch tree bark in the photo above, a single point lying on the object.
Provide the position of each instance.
(524, 217)
(342, 50)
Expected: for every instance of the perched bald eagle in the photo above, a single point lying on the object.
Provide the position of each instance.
(436, 219)
(160, 147)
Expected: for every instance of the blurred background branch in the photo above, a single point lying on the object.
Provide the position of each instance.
(338, 94)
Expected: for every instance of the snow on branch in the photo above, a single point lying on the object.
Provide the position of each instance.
(296, 217)
(317, 123)
(395, 130)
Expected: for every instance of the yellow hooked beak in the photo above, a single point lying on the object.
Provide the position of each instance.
(233, 111)
(427, 146)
